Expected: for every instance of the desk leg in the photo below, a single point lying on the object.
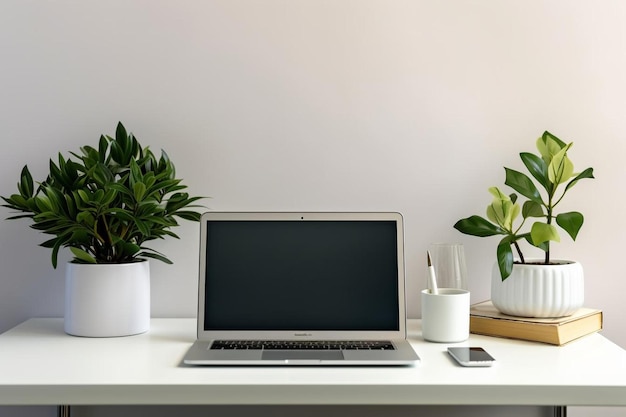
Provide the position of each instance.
(559, 411)
(63, 411)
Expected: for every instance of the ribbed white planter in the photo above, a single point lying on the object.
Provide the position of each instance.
(534, 290)
(107, 300)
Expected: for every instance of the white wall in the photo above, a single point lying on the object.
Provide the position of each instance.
(407, 105)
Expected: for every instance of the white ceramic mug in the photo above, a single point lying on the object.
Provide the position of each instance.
(445, 316)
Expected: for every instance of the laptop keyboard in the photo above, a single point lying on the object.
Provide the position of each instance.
(301, 345)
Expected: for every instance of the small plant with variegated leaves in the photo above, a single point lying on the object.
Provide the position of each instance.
(105, 205)
(550, 169)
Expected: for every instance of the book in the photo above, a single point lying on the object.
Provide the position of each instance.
(486, 320)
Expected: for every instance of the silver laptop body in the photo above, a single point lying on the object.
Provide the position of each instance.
(301, 289)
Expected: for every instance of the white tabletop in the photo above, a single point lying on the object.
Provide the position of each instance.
(40, 364)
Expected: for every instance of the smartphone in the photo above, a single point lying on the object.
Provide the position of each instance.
(471, 356)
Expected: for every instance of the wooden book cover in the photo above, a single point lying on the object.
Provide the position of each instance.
(486, 320)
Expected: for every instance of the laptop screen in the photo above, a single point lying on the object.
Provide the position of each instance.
(301, 275)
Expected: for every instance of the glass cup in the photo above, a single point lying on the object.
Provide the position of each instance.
(448, 260)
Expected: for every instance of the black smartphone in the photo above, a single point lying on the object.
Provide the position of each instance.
(471, 356)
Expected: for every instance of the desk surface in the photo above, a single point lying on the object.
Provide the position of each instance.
(40, 364)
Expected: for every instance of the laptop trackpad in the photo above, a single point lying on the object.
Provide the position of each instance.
(324, 355)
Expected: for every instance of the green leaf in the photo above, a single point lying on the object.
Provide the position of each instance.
(121, 137)
(90, 155)
(84, 196)
(120, 188)
(478, 226)
(86, 218)
(82, 236)
(135, 149)
(20, 216)
(542, 232)
(103, 146)
(549, 136)
(570, 222)
(537, 168)
(505, 258)
(165, 221)
(162, 186)
(25, 186)
(116, 152)
(108, 197)
(189, 215)
(549, 145)
(71, 205)
(532, 209)
(588, 173)
(561, 168)
(43, 203)
(139, 191)
(60, 241)
(149, 179)
(121, 213)
(143, 227)
(155, 256)
(55, 253)
(101, 174)
(82, 255)
(130, 249)
(98, 196)
(522, 184)
(165, 165)
(49, 243)
(55, 172)
(135, 172)
(502, 210)
(169, 233)
(55, 197)
(17, 202)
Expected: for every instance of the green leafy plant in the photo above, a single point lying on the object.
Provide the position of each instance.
(106, 204)
(550, 169)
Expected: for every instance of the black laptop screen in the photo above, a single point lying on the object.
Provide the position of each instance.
(301, 275)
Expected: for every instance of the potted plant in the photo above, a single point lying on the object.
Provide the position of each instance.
(104, 206)
(556, 293)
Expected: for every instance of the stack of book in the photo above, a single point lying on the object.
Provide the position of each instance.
(486, 320)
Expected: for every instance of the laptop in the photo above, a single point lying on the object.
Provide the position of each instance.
(301, 289)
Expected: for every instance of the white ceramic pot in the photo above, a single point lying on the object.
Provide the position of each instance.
(534, 290)
(107, 300)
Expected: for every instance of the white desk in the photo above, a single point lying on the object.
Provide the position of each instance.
(41, 365)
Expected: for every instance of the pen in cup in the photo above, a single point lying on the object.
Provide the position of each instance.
(431, 275)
